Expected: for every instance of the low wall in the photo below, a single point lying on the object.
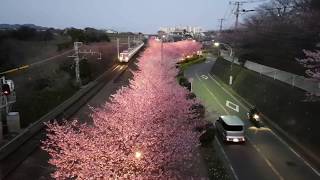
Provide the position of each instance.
(282, 103)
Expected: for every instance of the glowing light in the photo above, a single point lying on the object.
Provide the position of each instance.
(235, 140)
(138, 155)
(256, 116)
(216, 44)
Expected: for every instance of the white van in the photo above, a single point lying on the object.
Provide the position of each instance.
(231, 128)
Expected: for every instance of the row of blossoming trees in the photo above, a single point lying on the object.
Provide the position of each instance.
(312, 63)
(146, 131)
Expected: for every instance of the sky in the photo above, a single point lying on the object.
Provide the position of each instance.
(145, 16)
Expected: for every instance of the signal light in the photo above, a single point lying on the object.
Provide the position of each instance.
(6, 89)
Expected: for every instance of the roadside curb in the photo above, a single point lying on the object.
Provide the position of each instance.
(222, 155)
(310, 158)
(225, 160)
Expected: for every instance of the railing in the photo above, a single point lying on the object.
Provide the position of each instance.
(301, 82)
(35, 127)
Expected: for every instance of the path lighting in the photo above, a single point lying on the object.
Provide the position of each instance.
(162, 39)
(138, 155)
(217, 44)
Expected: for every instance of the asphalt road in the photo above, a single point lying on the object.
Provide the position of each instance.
(265, 155)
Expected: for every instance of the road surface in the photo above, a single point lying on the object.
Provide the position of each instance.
(265, 155)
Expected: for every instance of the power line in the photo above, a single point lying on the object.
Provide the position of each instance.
(221, 22)
(36, 63)
(229, 25)
(237, 5)
(284, 8)
(237, 12)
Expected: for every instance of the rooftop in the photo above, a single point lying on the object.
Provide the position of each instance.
(232, 120)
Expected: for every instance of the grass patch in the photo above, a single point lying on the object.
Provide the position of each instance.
(215, 166)
(184, 64)
(281, 102)
(42, 102)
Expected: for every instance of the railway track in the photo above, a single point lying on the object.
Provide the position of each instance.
(12, 155)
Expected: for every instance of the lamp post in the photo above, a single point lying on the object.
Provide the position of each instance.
(162, 38)
(217, 44)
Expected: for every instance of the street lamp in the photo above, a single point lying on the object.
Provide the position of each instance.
(138, 155)
(162, 38)
(217, 44)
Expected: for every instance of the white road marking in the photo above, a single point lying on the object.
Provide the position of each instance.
(268, 162)
(204, 76)
(300, 157)
(226, 91)
(226, 157)
(232, 106)
(215, 98)
(278, 137)
(257, 149)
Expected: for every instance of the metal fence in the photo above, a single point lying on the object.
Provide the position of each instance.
(301, 82)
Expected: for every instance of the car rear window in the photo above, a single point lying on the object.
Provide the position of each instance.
(231, 128)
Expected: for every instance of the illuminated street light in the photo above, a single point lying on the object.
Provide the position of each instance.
(138, 155)
(163, 36)
(217, 44)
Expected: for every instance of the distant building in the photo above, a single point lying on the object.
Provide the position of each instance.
(111, 31)
(181, 30)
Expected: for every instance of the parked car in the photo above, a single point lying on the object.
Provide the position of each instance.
(231, 128)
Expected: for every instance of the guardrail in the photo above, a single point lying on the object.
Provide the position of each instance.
(35, 127)
(301, 82)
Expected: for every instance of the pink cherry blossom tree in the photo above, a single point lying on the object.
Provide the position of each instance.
(146, 131)
(312, 63)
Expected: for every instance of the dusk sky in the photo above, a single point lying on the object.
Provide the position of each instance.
(123, 15)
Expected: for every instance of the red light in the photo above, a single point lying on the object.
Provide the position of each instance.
(5, 89)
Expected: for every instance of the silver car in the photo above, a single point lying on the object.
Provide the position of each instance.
(231, 128)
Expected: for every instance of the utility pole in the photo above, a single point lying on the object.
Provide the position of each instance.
(77, 58)
(237, 3)
(7, 98)
(161, 50)
(118, 48)
(128, 42)
(238, 11)
(221, 21)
